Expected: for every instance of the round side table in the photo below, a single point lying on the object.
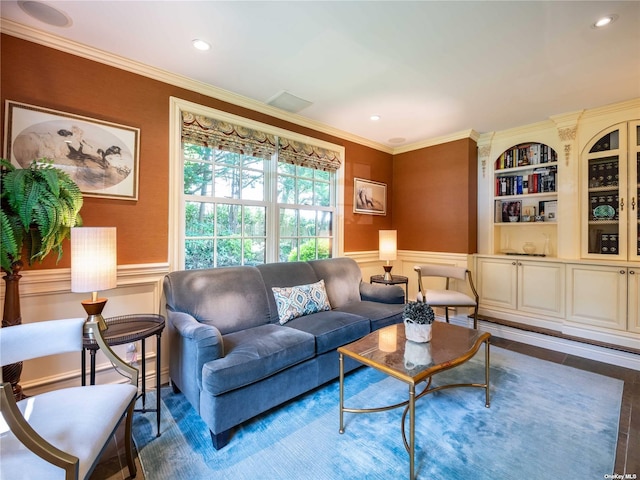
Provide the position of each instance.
(129, 329)
(395, 280)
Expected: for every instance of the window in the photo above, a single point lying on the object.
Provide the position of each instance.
(225, 208)
(305, 213)
(253, 195)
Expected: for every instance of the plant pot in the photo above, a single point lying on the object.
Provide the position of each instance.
(417, 332)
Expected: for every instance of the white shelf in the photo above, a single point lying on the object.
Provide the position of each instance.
(499, 172)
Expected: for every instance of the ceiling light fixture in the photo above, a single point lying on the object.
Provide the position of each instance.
(604, 21)
(201, 44)
(375, 118)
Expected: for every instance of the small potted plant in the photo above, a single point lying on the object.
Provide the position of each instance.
(418, 318)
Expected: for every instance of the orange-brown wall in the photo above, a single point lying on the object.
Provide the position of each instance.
(435, 198)
(45, 77)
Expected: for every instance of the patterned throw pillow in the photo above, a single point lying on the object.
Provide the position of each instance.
(301, 300)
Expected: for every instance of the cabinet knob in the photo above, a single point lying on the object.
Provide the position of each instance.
(621, 204)
(632, 272)
(622, 272)
(513, 263)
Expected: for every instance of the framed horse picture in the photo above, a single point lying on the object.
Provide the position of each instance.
(369, 197)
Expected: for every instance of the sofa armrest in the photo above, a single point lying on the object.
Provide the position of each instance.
(205, 340)
(381, 293)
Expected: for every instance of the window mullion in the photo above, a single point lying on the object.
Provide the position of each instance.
(273, 211)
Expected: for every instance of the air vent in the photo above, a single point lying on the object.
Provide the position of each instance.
(289, 102)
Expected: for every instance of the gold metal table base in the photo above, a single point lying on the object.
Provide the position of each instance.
(409, 405)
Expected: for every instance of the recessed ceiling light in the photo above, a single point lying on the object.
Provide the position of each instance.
(45, 13)
(375, 118)
(201, 44)
(604, 21)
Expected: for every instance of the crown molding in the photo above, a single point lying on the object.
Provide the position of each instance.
(472, 134)
(68, 46)
(632, 105)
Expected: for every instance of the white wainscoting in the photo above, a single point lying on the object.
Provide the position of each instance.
(46, 295)
(407, 259)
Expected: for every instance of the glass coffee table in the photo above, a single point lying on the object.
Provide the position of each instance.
(389, 351)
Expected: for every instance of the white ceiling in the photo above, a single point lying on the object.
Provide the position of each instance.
(428, 68)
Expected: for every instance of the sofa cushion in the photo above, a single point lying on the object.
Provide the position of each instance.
(284, 274)
(342, 277)
(300, 300)
(380, 314)
(229, 298)
(256, 353)
(331, 329)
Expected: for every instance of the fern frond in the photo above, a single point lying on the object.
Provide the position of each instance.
(8, 242)
(44, 203)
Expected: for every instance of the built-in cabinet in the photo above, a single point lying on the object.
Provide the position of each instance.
(535, 288)
(586, 280)
(598, 295)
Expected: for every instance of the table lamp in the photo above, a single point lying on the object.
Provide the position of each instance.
(388, 248)
(93, 267)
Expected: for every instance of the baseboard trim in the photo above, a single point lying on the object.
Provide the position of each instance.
(554, 340)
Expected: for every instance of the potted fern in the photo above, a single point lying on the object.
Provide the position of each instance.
(39, 204)
(418, 318)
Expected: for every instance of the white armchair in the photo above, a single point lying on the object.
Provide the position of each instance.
(60, 433)
(446, 297)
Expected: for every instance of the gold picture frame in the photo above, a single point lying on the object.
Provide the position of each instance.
(101, 157)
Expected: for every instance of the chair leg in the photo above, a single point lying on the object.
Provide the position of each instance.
(475, 318)
(446, 313)
(128, 444)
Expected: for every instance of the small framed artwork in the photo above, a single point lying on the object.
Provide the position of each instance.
(369, 197)
(101, 157)
(511, 211)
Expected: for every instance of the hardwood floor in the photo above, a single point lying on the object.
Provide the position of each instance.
(113, 466)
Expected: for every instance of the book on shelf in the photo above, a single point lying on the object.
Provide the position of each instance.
(550, 209)
(526, 154)
(540, 180)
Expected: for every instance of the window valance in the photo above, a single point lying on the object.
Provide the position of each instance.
(221, 135)
(303, 154)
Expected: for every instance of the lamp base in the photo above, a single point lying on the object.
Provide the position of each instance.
(94, 312)
(387, 273)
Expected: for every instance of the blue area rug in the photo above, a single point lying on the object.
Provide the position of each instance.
(545, 421)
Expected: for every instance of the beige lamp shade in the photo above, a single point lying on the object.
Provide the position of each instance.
(388, 246)
(94, 263)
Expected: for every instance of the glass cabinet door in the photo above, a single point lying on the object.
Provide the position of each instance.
(611, 175)
(606, 177)
(634, 188)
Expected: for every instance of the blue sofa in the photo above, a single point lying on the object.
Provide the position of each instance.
(233, 359)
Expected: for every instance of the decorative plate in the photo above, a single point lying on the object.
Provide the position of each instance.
(604, 212)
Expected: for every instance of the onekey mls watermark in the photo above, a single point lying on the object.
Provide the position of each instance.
(621, 476)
